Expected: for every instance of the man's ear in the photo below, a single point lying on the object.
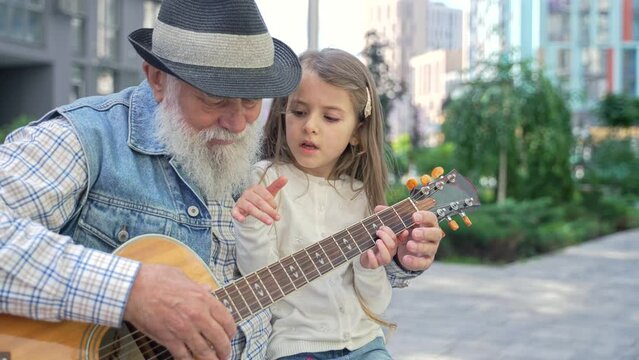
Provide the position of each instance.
(156, 79)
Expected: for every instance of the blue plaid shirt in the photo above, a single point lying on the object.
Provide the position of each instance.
(43, 174)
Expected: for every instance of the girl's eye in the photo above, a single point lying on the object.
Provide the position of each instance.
(331, 119)
(298, 113)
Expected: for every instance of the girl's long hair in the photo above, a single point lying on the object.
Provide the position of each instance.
(364, 161)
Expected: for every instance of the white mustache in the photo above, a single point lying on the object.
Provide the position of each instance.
(207, 135)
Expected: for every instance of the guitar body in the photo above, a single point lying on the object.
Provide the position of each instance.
(25, 339)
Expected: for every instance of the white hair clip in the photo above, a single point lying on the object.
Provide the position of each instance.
(368, 107)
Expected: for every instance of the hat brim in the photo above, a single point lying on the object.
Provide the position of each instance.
(279, 79)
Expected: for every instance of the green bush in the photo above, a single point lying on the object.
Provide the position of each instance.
(6, 129)
(516, 230)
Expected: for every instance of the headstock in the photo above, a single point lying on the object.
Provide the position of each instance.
(453, 193)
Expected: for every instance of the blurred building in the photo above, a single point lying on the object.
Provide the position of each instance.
(413, 29)
(54, 51)
(588, 47)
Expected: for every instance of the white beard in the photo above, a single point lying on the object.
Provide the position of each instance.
(218, 171)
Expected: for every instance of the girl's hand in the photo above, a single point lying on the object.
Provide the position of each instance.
(384, 250)
(259, 201)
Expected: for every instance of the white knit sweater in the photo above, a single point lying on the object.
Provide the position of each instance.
(325, 314)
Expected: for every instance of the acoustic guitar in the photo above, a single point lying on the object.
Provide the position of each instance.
(24, 339)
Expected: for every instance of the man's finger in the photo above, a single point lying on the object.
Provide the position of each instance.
(425, 218)
(277, 185)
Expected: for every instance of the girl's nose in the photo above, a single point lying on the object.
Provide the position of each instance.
(311, 125)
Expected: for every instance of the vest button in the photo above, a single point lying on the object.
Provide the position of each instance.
(193, 211)
(123, 235)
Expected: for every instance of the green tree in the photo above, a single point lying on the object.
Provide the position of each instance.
(513, 124)
(618, 110)
(388, 88)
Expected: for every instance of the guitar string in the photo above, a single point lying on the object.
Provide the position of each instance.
(360, 230)
(330, 245)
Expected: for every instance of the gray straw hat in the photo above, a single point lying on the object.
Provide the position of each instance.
(221, 47)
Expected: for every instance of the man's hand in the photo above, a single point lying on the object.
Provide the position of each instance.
(180, 314)
(259, 201)
(418, 246)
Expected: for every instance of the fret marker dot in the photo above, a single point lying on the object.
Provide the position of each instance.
(258, 289)
(293, 271)
(227, 304)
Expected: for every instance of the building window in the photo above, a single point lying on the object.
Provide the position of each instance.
(78, 83)
(107, 32)
(603, 22)
(78, 31)
(22, 20)
(594, 61)
(563, 62)
(105, 81)
(559, 20)
(629, 66)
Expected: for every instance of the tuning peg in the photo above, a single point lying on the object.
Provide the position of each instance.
(452, 223)
(411, 183)
(425, 179)
(437, 172)
(466, 219)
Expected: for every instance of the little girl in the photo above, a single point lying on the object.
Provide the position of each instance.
(324, 172)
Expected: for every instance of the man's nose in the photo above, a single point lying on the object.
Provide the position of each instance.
(235, 117)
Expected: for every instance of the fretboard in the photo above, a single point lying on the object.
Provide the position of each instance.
(262, 288)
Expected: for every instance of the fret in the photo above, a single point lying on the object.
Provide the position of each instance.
(347, 244)
(333, 252)
(399, 217)
(362, 236)
(405, 210)
(270, 284)
(248, 295)
(319, 259)
(354, 240)
(259, 290)
(281, 277)
(372, 224)
(237, 299)
(390, 218)
(294, 272)
(304, 261)
(340, 248)
(225, 299)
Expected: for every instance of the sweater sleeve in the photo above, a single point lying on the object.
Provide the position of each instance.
(373, 286)
(256, 242)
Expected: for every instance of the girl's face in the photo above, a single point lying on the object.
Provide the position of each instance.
(320, 123)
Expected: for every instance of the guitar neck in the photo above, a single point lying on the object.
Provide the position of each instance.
(258, 290)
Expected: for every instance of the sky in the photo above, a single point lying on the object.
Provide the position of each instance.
(341, 22)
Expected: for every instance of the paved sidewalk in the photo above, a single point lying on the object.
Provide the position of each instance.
(579, 303)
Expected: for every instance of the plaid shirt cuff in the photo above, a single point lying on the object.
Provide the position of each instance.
(99, 288)
(398, 276)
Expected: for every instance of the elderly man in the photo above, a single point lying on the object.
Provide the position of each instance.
(163, 157)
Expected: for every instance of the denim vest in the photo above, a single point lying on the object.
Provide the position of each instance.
(134, 186)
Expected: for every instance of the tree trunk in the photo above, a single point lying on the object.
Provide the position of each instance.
(503, 176)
